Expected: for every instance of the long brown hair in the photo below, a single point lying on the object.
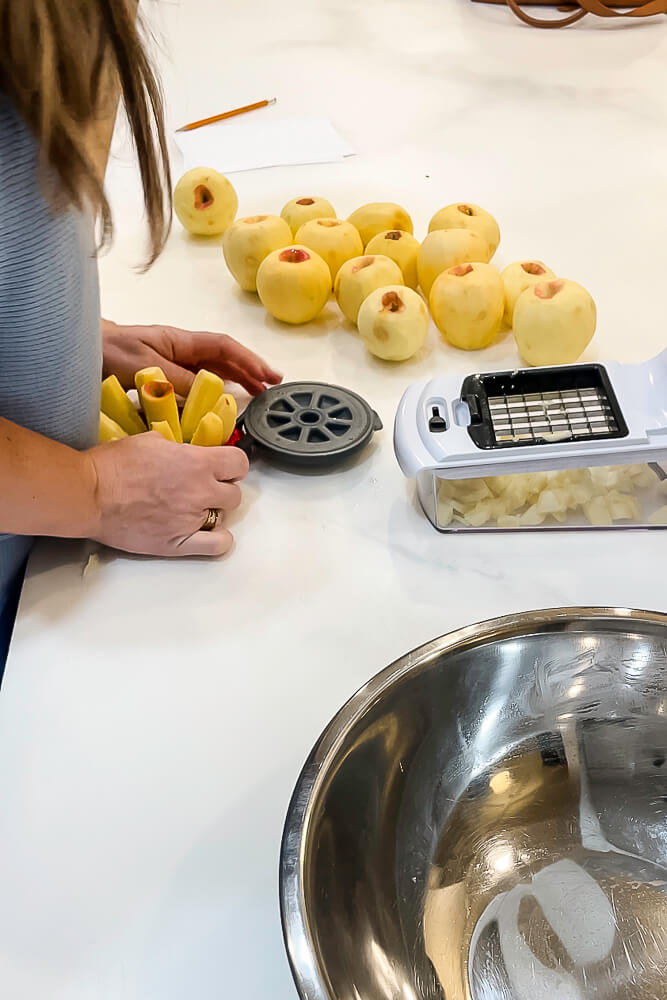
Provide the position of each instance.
(64, 63)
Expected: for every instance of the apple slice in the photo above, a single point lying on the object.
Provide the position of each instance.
(209, 432)
(115, 403)
(159, 403)
(110, 430)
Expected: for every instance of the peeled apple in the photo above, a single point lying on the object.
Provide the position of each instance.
(378, 217)
(466, 215)
(467, 303)
(554, 322)
(205, 202)
(517, 278)
(393, 322)
(248, 241)
(445, 248)
(400, 247)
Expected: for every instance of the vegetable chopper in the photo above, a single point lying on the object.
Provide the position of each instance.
(532, 420)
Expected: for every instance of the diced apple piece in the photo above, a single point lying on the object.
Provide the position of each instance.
(508, 521)
(532, 517)
(597, 512)
(623, 507)
(445, 512)
(658, 516)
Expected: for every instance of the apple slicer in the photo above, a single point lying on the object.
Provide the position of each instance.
(307, 425)
(537, 420)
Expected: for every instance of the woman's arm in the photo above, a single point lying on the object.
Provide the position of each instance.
(141, 494)
(47, 488)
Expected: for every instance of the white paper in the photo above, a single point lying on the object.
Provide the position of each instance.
(234, 145)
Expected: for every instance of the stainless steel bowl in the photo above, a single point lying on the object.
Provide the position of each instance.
(487, 819)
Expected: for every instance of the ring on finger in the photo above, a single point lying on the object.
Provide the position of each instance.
(212, 519)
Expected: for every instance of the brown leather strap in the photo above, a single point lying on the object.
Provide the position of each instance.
(647, 9)
(545, 22)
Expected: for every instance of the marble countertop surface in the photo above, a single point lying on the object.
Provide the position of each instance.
(154, 715)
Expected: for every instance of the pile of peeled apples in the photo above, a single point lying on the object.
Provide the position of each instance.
(208, 417)
(377, 269)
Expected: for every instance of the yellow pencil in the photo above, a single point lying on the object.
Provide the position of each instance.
(226, 114)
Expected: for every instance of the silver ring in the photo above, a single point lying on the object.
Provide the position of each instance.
(211, 521)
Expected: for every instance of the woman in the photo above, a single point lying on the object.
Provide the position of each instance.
(63, 67)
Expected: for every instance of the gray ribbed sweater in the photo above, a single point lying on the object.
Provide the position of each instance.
(50, 342)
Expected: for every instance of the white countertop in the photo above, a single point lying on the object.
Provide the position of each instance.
(154, 715)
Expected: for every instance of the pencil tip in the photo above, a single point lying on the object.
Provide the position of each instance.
(273, 100)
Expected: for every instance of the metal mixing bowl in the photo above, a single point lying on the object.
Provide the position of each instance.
(487, 819)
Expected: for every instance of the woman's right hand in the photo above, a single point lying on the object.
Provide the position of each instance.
(153, 495)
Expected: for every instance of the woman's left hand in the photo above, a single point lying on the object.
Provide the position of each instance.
(180, 354)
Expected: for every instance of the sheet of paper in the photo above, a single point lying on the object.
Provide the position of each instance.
(249, 144)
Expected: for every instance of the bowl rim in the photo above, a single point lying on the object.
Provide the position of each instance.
(311, 980)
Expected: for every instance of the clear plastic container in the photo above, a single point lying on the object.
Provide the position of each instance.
(606, 497)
